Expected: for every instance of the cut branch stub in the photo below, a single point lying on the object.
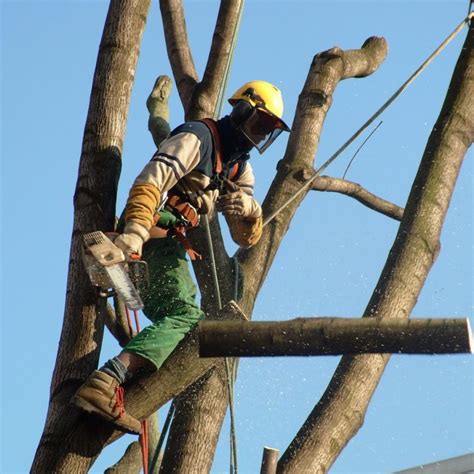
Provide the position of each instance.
(333, 336)
(269, 460)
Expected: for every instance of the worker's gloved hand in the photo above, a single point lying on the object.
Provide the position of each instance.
(238, 203)
(132, 239)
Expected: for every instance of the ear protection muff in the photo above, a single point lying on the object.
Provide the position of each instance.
(241, 112)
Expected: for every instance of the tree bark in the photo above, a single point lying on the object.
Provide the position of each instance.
(340, 412)
(130, 462)
(94, 209)
(177, 44)
(333, 336)
(195, 431)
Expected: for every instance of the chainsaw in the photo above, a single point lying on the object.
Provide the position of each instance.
(109, 270)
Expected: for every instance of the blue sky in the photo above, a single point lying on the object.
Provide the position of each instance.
(331, 258)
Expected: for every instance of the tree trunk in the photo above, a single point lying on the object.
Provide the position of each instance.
(339, 414)
(333, 336)
(94, 209)
(195, 431)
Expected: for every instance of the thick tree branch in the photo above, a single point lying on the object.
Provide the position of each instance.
(207, 91)
(333, 336)
(179, 52)
(327, 69)
(340, 412)
(355, 190)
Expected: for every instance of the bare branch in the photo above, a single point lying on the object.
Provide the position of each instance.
(327, 69)
(153, 440)
(365, 61)
(339, 414)
(179, 52)
(355, 190)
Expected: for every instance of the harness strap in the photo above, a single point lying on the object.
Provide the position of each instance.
(185, 209)
(212, 126)
(218, 167)
(189, 214)
(180, 235)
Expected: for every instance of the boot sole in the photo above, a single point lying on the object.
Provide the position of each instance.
(89, 408)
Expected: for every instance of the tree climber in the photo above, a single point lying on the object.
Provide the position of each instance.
(202, 165)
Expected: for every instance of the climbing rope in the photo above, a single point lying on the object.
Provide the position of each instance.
(386, 104)
(230, 374)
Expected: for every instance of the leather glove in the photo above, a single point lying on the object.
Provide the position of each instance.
(238, 203)
(132, 239)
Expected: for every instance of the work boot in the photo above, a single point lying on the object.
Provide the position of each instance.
(102, 395)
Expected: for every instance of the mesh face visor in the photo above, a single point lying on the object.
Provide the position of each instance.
(262, 129)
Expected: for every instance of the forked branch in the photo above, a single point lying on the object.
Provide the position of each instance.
(177, 45)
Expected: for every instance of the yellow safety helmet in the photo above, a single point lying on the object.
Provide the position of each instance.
(263, 97)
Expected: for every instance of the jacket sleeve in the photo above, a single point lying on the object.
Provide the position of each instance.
(175, 158)
(246, 231)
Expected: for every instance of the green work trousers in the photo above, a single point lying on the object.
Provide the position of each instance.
(170, 301)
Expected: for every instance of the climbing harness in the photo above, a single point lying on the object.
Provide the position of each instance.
(305, 186)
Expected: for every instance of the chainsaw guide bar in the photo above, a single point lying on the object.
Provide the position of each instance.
(108, 269)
